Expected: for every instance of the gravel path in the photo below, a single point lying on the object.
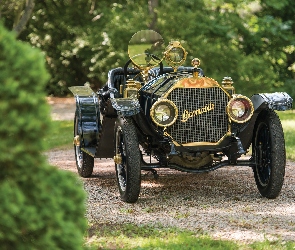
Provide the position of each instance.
(224, 203)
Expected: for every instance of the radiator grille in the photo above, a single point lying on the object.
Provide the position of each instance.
(209, 126)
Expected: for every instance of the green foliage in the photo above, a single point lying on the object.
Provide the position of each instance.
(41, 207)
(219, 36)
(273, 245)
(129, 236)
(288, 122)
(148, 237)
(251, 41)
(276, 30)
(12, 10)
(91, 38)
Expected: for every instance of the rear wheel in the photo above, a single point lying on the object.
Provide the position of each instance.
(84, 161)
(269, 154)
(127, 160)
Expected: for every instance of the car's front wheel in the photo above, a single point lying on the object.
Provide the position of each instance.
(127, 160)
(269, 154)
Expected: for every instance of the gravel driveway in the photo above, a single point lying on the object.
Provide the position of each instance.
(224, 203)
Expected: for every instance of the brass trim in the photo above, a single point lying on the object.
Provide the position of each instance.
(199, 82)
(118, 159)
(227, 84)
(196, 62)
(88, 152)
(189, 114)
(227, 81)
(238, 96)
(174, 45)
(131, 90)
(193, 82)
(160, 101)
(133, 84)
(76, 141)
(191, 144)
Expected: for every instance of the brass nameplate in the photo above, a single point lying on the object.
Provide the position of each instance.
(189, 114)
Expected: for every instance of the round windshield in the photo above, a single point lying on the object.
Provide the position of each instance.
(146, 48)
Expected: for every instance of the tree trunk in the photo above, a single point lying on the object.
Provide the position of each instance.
(20, 25)
(152, 5)
(0, 8)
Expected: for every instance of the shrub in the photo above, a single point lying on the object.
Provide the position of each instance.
(40, 206)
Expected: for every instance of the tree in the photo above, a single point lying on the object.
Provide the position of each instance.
(252, 41)
(217, 33)
(153, 5)
(82, 41)
(276, 27)
(41, 207)
(21, 12)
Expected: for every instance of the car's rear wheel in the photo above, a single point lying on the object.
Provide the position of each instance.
(84, 161)
(127, 160)
(269, 154)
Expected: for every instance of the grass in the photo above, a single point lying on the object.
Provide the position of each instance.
(288, 122)
(129, 236)
(60, 135)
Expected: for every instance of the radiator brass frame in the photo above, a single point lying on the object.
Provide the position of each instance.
(200, 82)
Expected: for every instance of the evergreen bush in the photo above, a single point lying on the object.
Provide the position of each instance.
(41, 207)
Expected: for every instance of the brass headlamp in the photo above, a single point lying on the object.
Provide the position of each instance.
(164, 112)
(240, 109)
(175, 54)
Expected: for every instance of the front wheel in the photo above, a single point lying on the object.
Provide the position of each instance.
(269, 154)
(127, 160)
(84, 161)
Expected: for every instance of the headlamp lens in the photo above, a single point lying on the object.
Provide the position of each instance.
(240, 109)
(164, 113)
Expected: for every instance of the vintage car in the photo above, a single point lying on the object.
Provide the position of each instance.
(156, 113)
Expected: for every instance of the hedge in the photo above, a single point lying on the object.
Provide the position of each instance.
(41, 207)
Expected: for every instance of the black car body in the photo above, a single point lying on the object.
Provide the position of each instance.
(179, 117)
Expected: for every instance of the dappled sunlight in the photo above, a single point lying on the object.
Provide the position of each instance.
(224, 203)
(288, 124)
(145, 184)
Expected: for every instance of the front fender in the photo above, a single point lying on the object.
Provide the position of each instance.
(280, 101)
(87, 112)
